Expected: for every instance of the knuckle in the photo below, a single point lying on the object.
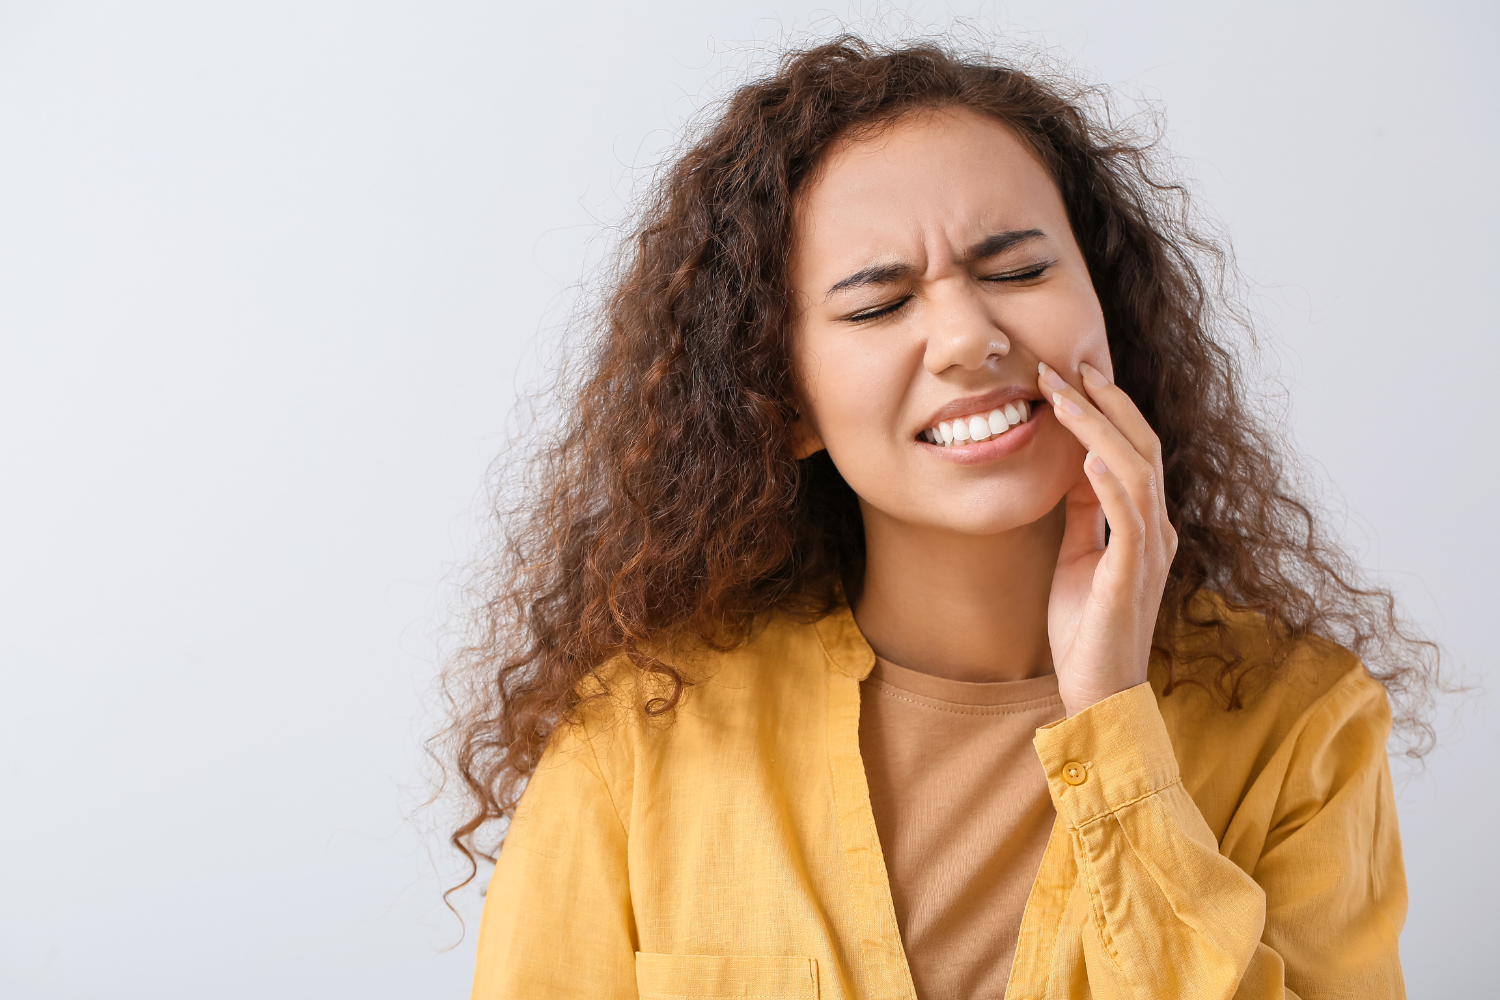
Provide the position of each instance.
(1134, 527)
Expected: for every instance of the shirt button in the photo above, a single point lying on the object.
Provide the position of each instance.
(1074, 773)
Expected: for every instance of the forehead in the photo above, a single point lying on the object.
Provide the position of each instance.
(954, 174)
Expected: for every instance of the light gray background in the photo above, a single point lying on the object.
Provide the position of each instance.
(270, 273)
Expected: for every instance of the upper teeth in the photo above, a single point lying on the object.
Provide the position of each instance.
(979, 427)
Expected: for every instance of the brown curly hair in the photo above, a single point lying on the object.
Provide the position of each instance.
(673, 504)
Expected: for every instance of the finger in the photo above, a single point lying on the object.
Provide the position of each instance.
(1083, 528)
(1099, 435)
(1116, 404)
(1127, 528)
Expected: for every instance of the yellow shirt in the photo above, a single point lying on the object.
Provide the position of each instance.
(732, 852)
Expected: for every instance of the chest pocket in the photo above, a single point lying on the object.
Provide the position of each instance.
(725, 977)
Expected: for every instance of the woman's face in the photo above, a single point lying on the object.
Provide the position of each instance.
(933, 267)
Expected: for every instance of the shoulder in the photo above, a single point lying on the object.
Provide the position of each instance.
(1238, 668)
(1242, 710)
(779, 670)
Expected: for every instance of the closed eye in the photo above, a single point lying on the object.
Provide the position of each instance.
(877, 311)
(1034, 271)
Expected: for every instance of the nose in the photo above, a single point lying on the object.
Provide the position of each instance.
(962, 333)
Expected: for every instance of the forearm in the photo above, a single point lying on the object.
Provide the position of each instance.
(1170, 916)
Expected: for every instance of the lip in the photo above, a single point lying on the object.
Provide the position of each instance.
(968, 406)
(1000, 446)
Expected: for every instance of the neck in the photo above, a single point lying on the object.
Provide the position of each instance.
(963, 607)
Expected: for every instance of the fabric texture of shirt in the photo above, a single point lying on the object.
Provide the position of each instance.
(964, 815)
(732, 851)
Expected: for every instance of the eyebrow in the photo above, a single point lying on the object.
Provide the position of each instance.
(883, 274)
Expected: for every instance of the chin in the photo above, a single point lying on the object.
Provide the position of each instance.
(1000, 510)
(986, 506)
(999, 521)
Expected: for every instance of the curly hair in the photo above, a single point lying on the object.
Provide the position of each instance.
(672, 504)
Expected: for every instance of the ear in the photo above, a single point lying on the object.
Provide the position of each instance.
(805, 439)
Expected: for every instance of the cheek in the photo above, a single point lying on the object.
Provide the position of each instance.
(1066, 329)
(853, 395)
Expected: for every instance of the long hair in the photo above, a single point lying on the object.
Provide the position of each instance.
(672, 504)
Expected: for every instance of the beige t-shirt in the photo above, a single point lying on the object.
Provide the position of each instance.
(963, 814)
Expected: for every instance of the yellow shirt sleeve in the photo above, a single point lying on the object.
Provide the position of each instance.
(557, 919)
(1171, 916)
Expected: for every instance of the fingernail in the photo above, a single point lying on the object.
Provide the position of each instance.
(1066, 405)
(1095, 464)
(1050, 378)
(1092, 375)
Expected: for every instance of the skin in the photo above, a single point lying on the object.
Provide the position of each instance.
(935, 271)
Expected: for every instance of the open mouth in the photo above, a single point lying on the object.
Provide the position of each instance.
(977, 427)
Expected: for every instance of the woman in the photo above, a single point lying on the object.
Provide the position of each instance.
(911, 608)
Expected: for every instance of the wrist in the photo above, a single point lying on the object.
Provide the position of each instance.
(1077, 699)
